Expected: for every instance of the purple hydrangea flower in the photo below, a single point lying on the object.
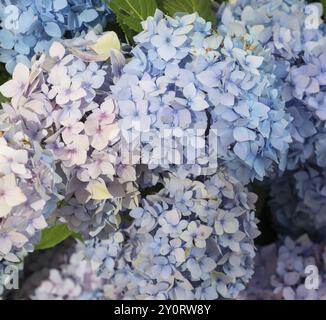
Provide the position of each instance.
(30, 27)
(186, 103)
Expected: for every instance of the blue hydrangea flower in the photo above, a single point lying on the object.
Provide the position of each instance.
(28, 191)
(73, 280)
(295, 34)
(30, 27)
(56, 106)
(298, 202)
(167, 252)
(190, 100)
(281, 271)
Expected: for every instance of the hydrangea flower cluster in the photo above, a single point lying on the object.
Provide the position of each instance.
(191, 100)
(150, 159)
(298, 202)
(27, 192)
(37, 266)
(191, 240)
(280, 271)
(295, 34)
(64, 105)
(74, 280)
(30, 27)
(279, 274)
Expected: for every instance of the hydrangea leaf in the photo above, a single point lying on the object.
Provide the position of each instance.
(4, 76)
(3, 99)
(130, 13)
(55, 235)
(203, 8)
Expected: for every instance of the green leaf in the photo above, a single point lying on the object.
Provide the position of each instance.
(55, 235)
(3, 99)
(324, 6)
(4, 76)
(203, 7)
(130, 13)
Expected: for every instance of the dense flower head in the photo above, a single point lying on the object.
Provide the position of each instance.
(147, 152)
(63, 104)
(281, 271)
(74, 280)
(306, 95)
(37, 266)
(282, 26)
(191, 240)
(191, 100)
(298, 202)
(28, 191)
(295, 34)
(30, 27)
